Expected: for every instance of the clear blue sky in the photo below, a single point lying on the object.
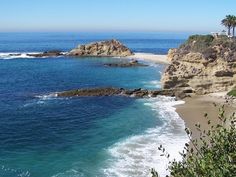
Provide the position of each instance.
(114, 15)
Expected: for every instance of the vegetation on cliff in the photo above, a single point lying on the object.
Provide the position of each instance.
(232, 92)
(212, 155)
(210, 47)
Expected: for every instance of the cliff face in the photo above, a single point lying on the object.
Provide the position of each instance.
(111, 48)
(203, 64)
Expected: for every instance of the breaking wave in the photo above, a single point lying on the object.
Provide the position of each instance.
(136, 155)
(16, 55)
(42, 99)
(24, 55)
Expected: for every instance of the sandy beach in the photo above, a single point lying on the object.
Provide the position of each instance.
(195, 107)
(150, 57)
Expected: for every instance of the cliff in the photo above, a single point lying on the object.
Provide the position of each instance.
(203, 64)
(111, 48)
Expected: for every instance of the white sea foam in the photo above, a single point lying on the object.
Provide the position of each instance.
(41, 99)
(136, 155)
(44, 98)
(47, 97)
(16, 55)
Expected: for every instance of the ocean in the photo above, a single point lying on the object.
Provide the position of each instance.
(45, 136)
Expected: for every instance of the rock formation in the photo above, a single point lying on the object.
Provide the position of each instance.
(110, 91)
(112, 48)
(203, 64)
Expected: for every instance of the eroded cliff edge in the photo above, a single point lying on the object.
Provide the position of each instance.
(203, 64)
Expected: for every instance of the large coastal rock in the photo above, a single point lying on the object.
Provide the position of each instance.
(111, 48)
(203, 64)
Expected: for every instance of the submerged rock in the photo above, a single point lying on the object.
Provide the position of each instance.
(14, 54)
(111, 48)
(53, 53)
(132, 63)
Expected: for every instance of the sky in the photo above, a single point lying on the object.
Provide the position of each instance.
(114, 15)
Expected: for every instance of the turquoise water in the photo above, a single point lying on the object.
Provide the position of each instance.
(42, 136)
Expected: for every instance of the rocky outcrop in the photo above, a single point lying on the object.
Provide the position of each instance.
(132, 63)
(110, 91)
(203, 64)
(111, 48)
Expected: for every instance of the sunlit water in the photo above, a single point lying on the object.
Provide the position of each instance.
(41, 135)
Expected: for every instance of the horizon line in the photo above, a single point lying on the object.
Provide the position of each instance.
(109, 31)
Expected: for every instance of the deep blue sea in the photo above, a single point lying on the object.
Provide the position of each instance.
(46, 136)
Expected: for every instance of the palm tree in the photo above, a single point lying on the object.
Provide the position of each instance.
(233, 24)
(227, 22)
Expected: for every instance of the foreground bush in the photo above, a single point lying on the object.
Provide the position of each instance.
(212, 155)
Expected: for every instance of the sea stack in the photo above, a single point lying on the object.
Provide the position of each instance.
(110, 48)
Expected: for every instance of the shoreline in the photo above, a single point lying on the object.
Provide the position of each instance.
(161, 59)
(194, 109)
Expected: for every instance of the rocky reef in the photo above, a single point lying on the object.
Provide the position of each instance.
(110, 91)
(52, 53)
(132, 63)
(204, 64)
(110, 48)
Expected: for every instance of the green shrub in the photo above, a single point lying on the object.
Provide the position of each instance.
(201, 39)
(232, 92)
(198, 43)
(206, 45)
(212, 155)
